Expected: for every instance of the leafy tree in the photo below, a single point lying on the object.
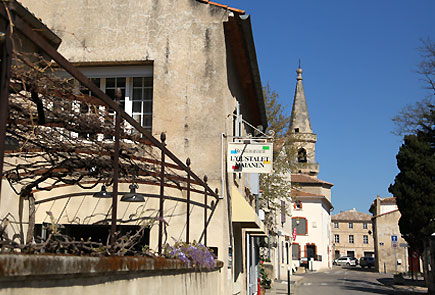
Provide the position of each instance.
(277, 120)
(414, 188)
(277, 185)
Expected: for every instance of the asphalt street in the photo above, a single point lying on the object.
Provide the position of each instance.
(346, 281)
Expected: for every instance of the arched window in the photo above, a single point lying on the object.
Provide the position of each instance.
(302, 155)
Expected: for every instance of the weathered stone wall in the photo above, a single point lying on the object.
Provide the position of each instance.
(185, 42)
(64, 275)
(358, 232)
(387, 225)
(195, 85)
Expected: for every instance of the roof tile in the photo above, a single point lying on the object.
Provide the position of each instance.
(302, 178)
(351, 215)
(298, 193)
(223, 6)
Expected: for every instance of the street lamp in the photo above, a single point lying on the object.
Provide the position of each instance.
(132, 196)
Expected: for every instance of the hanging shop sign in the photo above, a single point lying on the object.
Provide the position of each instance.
(250, 157)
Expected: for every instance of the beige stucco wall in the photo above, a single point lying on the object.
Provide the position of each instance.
(183, 283)
(195, 87)
(387, 225)
(319, 231)
(65, 275)
(358, 232)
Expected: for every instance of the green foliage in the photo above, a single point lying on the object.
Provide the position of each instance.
(277, 186)
(265, 281)
(277, 120)
(414, 187)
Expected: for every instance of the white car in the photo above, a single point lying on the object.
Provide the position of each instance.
(345, 261)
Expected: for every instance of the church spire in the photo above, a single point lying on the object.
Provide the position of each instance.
(300, 119)
(303, 137)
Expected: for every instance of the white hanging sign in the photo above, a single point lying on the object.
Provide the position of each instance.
(250, 157)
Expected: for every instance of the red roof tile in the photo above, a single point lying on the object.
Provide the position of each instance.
(298, 193)
(351, 215)
(223, 6)
(389, 200)
(302, 178)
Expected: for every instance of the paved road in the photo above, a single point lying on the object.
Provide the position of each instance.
(345, 281)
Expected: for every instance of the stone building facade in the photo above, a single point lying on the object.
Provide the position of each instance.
(185, 68)
(311, 196)
(352, 234)
(391, 252)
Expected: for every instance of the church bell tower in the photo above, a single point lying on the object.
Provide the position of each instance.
(301, 132)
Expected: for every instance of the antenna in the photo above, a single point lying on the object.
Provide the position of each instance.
(299, 63)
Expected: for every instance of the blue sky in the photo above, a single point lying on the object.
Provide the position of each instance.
(359, 60)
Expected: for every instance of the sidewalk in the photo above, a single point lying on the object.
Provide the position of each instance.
(412, 286)
(280, 287)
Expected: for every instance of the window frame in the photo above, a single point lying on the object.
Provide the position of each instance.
(351, 224)
(365, 225)
(129, 72)
(306, 225)
(299, 250)
(296, 205)
(337, 239)
(336, 224)
(365, 239)
(351, 239)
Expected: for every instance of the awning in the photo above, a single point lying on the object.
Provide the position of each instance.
(243, 213)
(256, 232)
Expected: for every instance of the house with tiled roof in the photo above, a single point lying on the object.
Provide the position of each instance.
(391, 251)
(186, 68)
(311, 197)
(352, 234)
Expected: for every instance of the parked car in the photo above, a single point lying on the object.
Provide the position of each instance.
(355, 260)
(345, 260)
(367, 261)
(304, 261)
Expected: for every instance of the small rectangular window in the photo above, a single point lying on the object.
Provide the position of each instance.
(365, 225)
(337, 239)
(350, 224)
(300, 224)
(365, 239)
(298, 205)
(295, 252)
(136, 97)
(351, 239)
(335, 224)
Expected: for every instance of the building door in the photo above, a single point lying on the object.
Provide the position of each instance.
(251, 267)
(311, 251)
(337, 254)
(351, 253)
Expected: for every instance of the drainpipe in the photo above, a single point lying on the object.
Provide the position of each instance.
(223, 165)
(222, 196)
(237, 119)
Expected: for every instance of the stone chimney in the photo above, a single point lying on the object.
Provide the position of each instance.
(378, 205)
